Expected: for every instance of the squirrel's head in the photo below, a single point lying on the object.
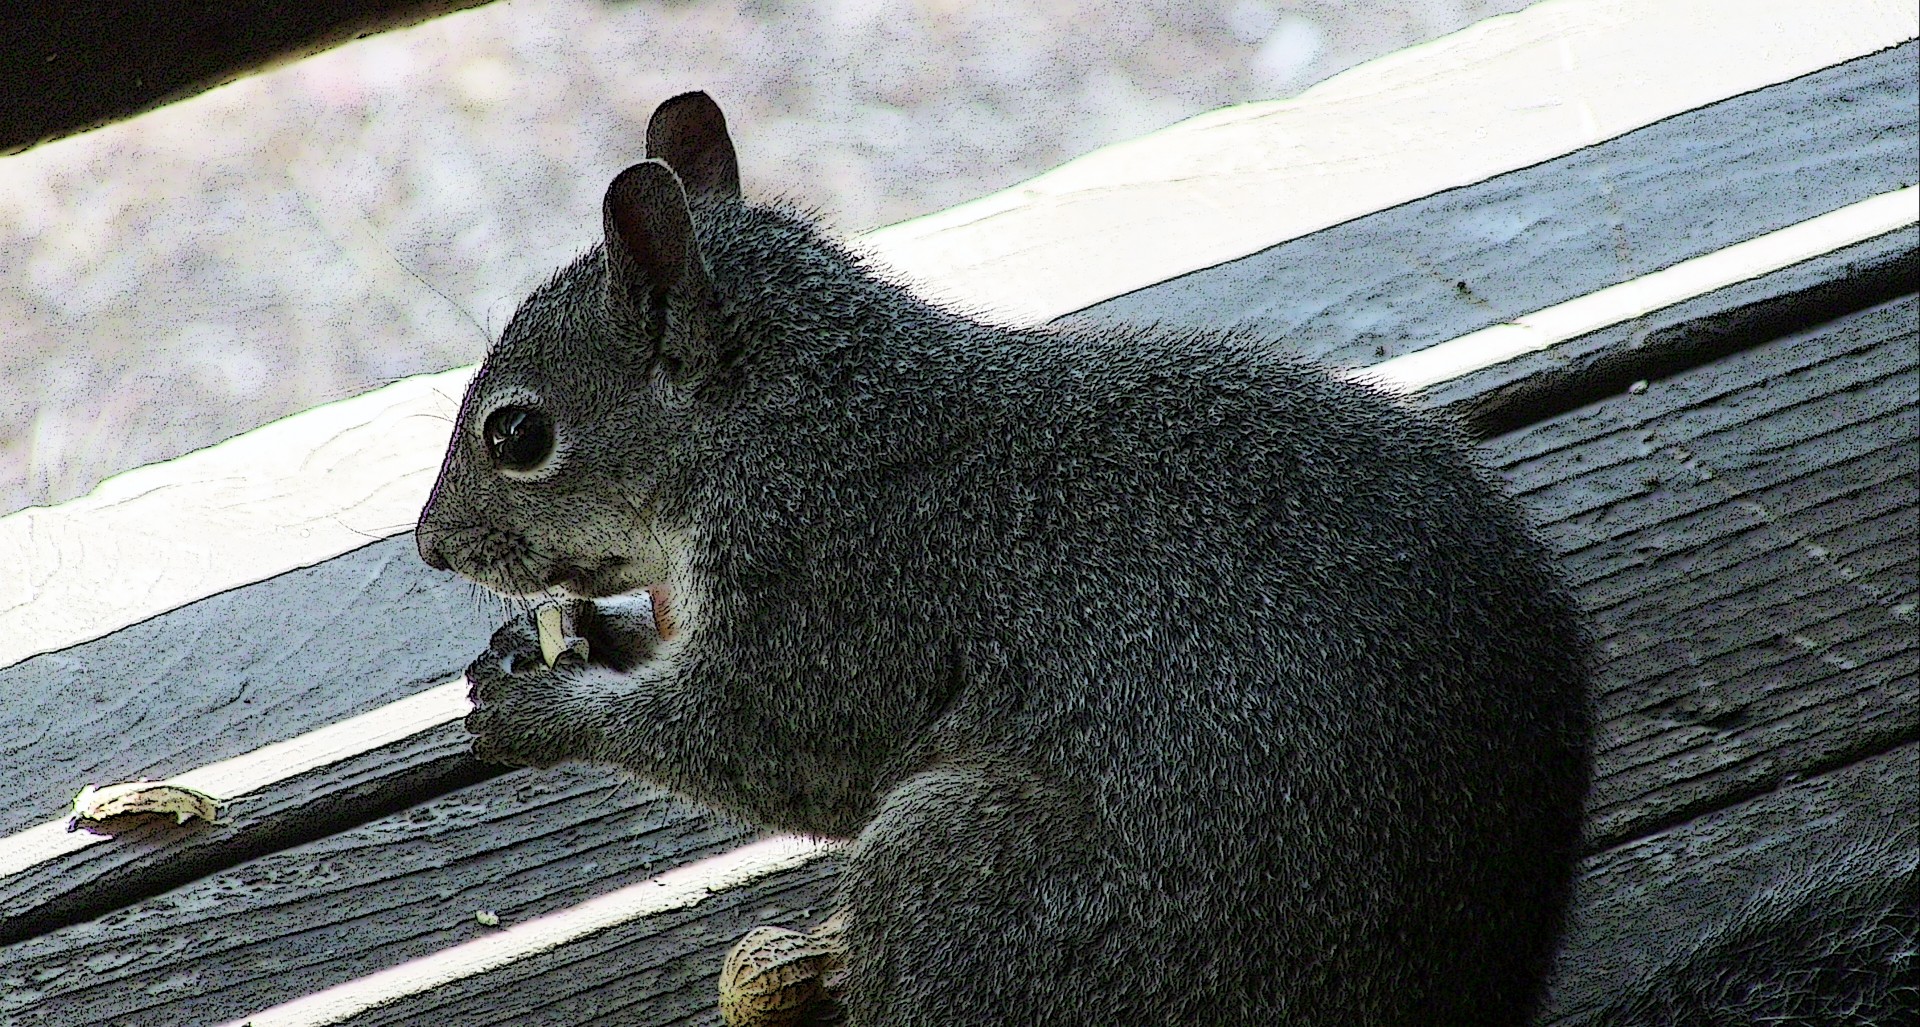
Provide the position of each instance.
(563, 455)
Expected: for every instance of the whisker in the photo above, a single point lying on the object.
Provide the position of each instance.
(485, 338)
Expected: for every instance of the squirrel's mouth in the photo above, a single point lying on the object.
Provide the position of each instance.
(609, 577)
(661, 599)
(605, 583)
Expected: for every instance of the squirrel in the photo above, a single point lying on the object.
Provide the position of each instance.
(1154, 677)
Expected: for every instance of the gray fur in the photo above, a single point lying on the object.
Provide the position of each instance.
(1833, 944)
(1161, 678)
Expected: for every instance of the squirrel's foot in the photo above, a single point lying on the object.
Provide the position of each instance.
(774, 977)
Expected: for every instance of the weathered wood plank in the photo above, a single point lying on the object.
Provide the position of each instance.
(297, 492)
(1459, 261)
(232, 672)
(1118, 219)
(151, 858)
(1873, 507)
(344, 905)
(1642, 905)
(1393, 131)
(1539, 386)
(649, 972)
(1834, 407)
(1637, 905)
(1681, 511)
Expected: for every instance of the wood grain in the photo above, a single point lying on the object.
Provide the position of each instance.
(1544, 82)
(644, 973)
(1736, 533)
(1641, 905)
(149, 858)
(296, 492)
(342, 905)
(1462, 260)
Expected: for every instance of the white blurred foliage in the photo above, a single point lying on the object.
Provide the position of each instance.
(1289, 52)
(377, 210)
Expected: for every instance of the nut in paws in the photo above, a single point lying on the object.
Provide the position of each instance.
(518, 701)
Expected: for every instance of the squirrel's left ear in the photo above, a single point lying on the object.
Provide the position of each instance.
(690, 134)
(653, 259)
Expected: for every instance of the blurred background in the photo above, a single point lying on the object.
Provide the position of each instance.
(317, 231)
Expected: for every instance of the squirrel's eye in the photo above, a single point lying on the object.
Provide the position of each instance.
(518, 438)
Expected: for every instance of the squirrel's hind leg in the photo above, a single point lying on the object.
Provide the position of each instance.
(966, 902)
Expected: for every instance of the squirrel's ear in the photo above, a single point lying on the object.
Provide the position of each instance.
(690, 134)
(652, 256)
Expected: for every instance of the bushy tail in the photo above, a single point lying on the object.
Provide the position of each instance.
(1832, 945)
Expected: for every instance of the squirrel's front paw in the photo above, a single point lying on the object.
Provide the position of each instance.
(520, 705)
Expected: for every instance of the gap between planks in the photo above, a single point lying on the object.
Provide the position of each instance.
(1637, 297)
(234, 778)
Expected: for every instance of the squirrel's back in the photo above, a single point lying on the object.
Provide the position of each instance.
(1158, 677)
(1276, 629)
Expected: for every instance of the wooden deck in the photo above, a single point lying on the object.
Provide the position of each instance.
(1729, 473)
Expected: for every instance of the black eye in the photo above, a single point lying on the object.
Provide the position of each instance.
(518, 438)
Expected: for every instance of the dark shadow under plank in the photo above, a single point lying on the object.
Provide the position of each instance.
(1542, 385)
(67, 67)
(156, 856)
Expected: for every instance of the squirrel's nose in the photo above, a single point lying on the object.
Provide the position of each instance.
(426, 538)
(430, 551)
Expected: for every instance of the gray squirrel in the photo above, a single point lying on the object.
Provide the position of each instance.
(1157, 677)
